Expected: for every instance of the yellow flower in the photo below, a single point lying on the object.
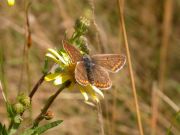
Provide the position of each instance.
(11, 2)
(63, 71)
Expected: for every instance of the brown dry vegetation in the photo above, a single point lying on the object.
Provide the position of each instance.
(147, 32)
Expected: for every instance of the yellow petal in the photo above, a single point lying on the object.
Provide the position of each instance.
(53, 58)
(98, 91)
(90, 103)
(83, 92)
(11, 2)
(52, 76)
(57, 55)
(92, 93)
(61, 79)
(65, 56)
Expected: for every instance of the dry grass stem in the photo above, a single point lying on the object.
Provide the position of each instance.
(42, 42)
(114, 110)
(166, 30)
(154, 102)
(130, 67)
(100, 118)
(26, 47)
(166, 99)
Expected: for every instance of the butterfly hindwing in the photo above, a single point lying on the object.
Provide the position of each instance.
(73, 53)
(111, 62)
(81, 74)
(101, 77)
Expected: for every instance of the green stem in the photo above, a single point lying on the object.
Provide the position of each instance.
(49, 103)
(12, 124)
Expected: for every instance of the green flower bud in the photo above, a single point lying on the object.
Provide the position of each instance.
(82, 25)
(18, 108)
(17, 119)
(83, 45)
(25, 100)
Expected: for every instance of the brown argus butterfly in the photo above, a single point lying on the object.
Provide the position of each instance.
(94, 70)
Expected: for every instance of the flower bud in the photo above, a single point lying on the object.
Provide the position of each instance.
(82, 25)
(25, 100)
(18, 108)
(49, 115)
(18, 119)
(83, 45)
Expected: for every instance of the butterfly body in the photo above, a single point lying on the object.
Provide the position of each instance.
(93, 70)
(89, 68)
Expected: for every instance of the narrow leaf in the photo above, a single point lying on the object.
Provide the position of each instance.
(3, 130)
(44, 128)
(29, 132)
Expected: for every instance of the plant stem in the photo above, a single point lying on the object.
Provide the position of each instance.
(130, 66)
(36, 86)
(100, 118)
(166, 33)
(49, 103)
(31, 94)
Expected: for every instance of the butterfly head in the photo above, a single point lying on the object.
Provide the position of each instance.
(86, 57)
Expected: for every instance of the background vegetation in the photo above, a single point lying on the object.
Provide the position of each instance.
(153, 29)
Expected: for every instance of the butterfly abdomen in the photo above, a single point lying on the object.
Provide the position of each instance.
(89, 65)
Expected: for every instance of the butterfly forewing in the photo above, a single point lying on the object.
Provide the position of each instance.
(101, 77)
(81, 74)
(73, 53)
(111, 62)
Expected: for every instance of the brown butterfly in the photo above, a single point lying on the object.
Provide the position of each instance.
(94, 70)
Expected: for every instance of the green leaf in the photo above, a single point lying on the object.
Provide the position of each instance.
(29, 132)
(3, 130)
(44, 128)
(41, 129)
(10, 110)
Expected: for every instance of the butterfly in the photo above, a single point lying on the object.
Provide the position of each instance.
(94, 69)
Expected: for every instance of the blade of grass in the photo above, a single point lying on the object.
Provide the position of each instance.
(2, 72)
(100, 118)
(167, 18)
(114, 109)
(26, 47)
(120, 4)
(154, 101)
